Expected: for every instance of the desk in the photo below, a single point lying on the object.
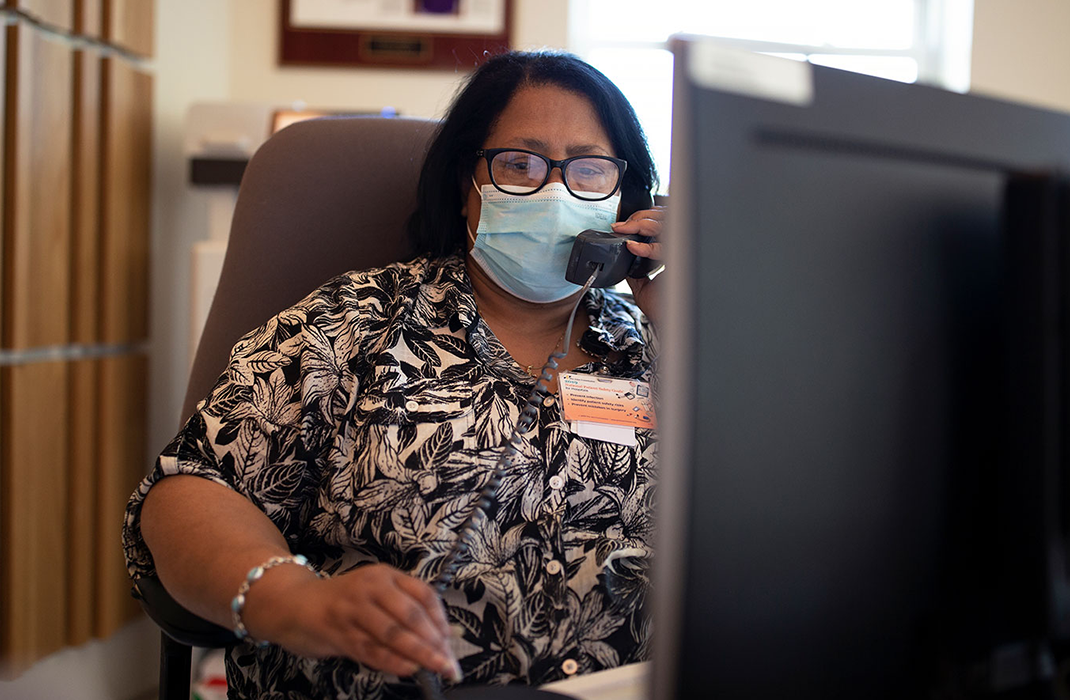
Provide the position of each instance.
(623, 683)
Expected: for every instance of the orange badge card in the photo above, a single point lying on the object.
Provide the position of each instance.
(597, 399)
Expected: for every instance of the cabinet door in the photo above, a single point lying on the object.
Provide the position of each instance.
(127, 153)
(36, 290)
(33, 562)
(121, 459)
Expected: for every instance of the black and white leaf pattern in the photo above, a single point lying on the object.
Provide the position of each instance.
(366, 419)
(453, 512)
(495, 421)
(382, 496)
(266, 361)
(466, 372)
(436, 449)
(422, 350)
(275, 483)
(451, 344)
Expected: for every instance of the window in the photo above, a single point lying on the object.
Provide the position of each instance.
(908, 40)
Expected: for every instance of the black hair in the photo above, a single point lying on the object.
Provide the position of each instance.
(436, 226)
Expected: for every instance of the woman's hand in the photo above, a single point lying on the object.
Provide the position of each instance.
(647, 222)
(375, 615)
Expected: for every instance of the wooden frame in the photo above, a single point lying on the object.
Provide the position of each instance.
(375, 47)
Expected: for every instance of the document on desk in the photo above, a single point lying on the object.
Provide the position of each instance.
(622, 683)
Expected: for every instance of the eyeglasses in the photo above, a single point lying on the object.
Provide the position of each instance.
(517, 171)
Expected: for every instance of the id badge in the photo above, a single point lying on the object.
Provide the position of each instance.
(593, 398)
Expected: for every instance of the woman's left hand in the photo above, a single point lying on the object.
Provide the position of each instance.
(646, 222)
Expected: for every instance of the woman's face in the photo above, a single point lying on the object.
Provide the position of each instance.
(546, 119)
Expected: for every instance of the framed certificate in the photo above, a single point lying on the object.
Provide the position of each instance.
(400, 33)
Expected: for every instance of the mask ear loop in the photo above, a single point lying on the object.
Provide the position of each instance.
(467, 226)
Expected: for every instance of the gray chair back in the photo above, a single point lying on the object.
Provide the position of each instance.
(319, 198)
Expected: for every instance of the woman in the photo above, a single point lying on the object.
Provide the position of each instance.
(358, 427)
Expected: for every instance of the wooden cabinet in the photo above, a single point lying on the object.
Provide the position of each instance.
(74, 258)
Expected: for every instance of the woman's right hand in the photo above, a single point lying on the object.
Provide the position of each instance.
(375, 615)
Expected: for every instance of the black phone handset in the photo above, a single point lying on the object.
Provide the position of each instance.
(607, 252)
(429, 682)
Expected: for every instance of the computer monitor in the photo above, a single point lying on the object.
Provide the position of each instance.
(862, 387)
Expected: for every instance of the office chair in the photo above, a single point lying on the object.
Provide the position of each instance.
(319, 198)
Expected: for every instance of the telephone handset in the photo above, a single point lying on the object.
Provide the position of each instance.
(596, 249)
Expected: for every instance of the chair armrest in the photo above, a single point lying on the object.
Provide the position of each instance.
(175, 621)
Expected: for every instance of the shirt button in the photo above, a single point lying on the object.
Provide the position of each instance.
(556, 482)
(553, 567)
(411, 405)
(569, 666)
(548, 401)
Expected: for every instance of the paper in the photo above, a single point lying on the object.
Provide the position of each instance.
(618, 434)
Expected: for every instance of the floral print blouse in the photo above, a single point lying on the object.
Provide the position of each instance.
(365, 420)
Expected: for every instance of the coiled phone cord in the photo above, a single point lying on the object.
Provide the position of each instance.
(429, 682)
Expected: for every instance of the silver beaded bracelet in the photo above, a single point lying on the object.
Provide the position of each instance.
(237, 604)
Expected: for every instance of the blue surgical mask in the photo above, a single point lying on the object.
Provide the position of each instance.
(523, 242)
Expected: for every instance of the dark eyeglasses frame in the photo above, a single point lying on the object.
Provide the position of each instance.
(489, 153)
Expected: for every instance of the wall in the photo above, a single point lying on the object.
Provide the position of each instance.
(1021, 51)
(193, 60)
